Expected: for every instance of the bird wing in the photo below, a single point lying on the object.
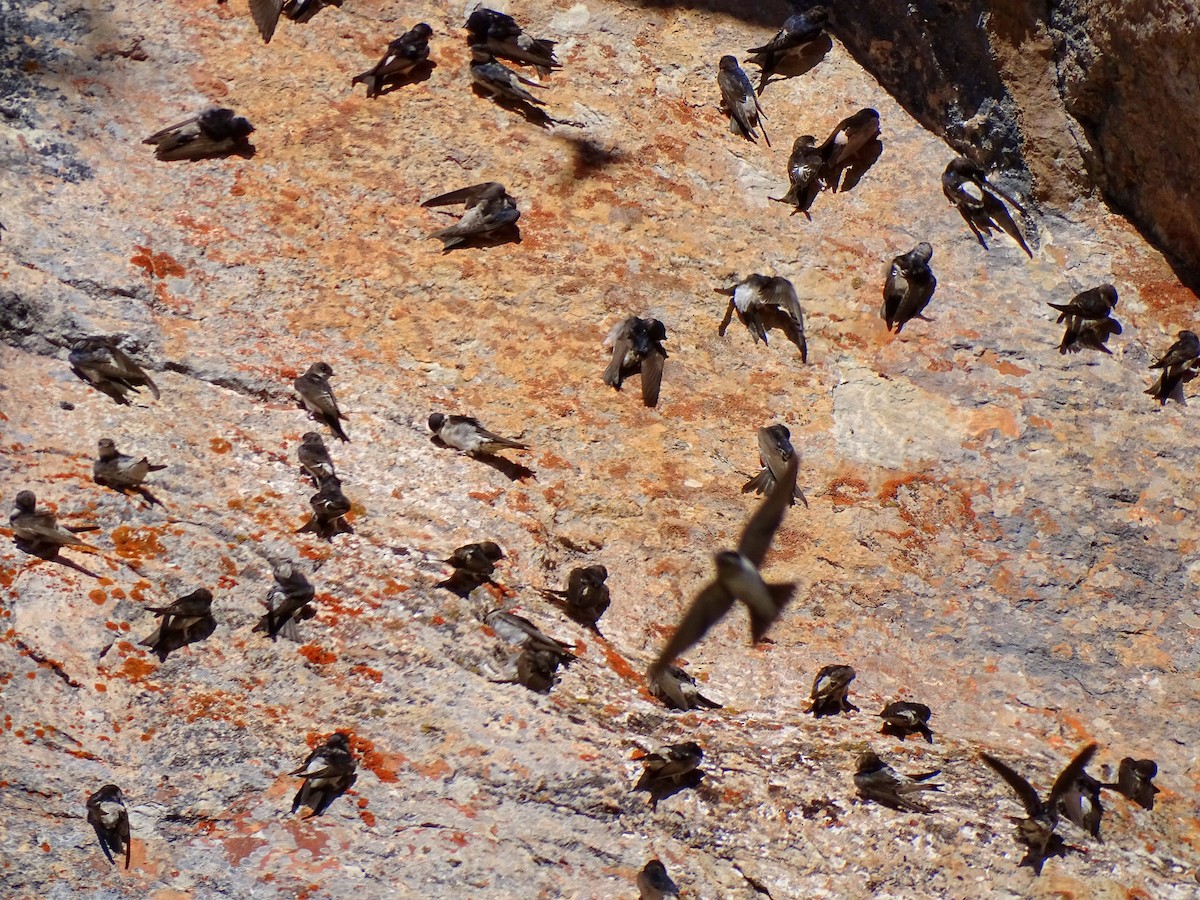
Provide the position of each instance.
(462, 195)
(707, 608)
(266, 16)
(652, 370)
(1024, 790)
(1070, 775)
(621, 341)
(757, 535)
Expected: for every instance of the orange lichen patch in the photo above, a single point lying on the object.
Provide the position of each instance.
(485, 496)
(438, 768)
(237, 848)
(551, 460)
(136, 668)
(368, 818)
(97, 596)
(136, 592)
(367, 672)
(383, 766)
(133, 543)
(317, 656)
(619, 664)
(846, 491)
(219, 445)
(994, 417)
(158, 265)
(457, 838)
(100, 687)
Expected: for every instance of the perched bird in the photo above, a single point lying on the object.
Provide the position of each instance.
(329, 508)
(637, 346)
(1080, 803)
(477, 559)
(215, 132)
(849, 139)
(287, 602)
(763, 302)
(775, 451)
(499, 82)
(1088, 310)
(831, 691)
(1036, 830)
(980, 202)
(1091, 334)
(266, 13)
(499, 35)
(878, 781)
(1135, 780)
(586, 597)
(902, 718)
(328, 773)
(106, 814)
(467, 435)
(740, 101)
(314, 457)
(519, 631)
(1177, 366)
(489, 207)
(187, 620)
(100, 362)
(738, 578)
(317, 397)
(120, 472)
(536, 669)
(908, 287)
(655, 884)
(39, 529)
(804, 169)
(798, 29)
(669, 766)
(403, 55)
(677, 689)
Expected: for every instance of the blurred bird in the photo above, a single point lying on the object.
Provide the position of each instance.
(499, 35)
(902, 718)
(489, 207)
(740, 101)
(467, 435)
(1177, 366)
(478, 559)
(121, 472)
(798, 29)
(775, 451)
(763, 302)
(1080, 803)
(831, 691)
(980, 202)
(107, 815)
(878, 781)
(586, 597)
(39, 529)
(328, 773)
(314, 457)
(266, 13)
(637, 347)
(536, 669)
(1088, 310)
(804, 168)
(317, 397)
(677, 689)
(329, 507)
(500, 82)
(1092, 335)
(287, 602)
(1135, 780)
(100, 362)
(403, 55)
(655, 884)
(215, 132)
(187, 620)
(908, 287)
(669, 765)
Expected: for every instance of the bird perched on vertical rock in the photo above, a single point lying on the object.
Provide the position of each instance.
(637, 347)
(187, 620)
(215, 132)
(878, 781)
(902, 718)
(478, 559)
(500, 35)
(287, 602)
(266, 13)
(1036, 830)
(740, 101)
(831, 691)
(314, 457)
(121, 472)
(763, 302)
(467, 435)
(669, 766)
(499, 82)
(101, 362)
(489, 207)
(1177, 366)
(1135, 780)
(980, 202)
(798, 29)
(1086, 311)
(1080, 803)
(107, 815)
(738, 578)
(655, 884)
(850, 142)
(317, 397)
(804, 168)
(586, 598)
(521, 632)
(908, 287)
(678, 690)
(403, 55)
(328, 773)
(329, 507)
(775, 451)
(38, 528)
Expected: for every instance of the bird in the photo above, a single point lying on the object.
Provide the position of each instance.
(266, 13)
(1036, 830)
(804, 167)
(119, 471)
(637, 346)
(1135, 780)
(327, 772)
(980, 202)
(215, 132)
(831, 691)
(403, 55)
(847, 140)
(39, 529)
(763, 302)
(535, 669)
(878, 781)
(1088, 309)
(100, 362)
(654, 883)
(477, 559)
(738, 578)
(499, 35)
(677, 689)
(467, 435)
(1080, 803)
(500, 82)
(489, 207)
(519, 631)
(317, 397)
(775, 450)
(187, 620)
(669, 766)
(740, 101)
(107, 815)
(586, 597)
(903, 717)
(329, 507)
(314, 457)
(287, 602)
(908, 287)
(1091, 334)
(798, 29)
(1176, 365)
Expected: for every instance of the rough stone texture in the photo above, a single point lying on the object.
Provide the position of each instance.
(996, 530)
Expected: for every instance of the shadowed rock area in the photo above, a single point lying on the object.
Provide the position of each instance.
(999, 531)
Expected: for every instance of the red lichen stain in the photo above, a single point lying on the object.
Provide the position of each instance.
(375, 761)
(1007, 368)
(485, 496)
(458, 838)
(31, 675)
(111, 626)
(136, 668)
(846, 491)
(45, 847)
(101, 688)
(136, 542)
(439, 768)
(618, 664)
(238, 848)
(220, 445)
(97, 596)
(368, 819)
(148, 734)
(136, 592)
(316, 655)
(158, 265)
(124, 626)
(437, 620)
(367, 672)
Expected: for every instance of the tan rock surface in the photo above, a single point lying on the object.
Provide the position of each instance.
(996, 530)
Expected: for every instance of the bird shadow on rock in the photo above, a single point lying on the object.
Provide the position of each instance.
(667, 788)
(851, 173)
(513, 471)
(589, 157)
(463, 583)
(509, 234)
(800, 62)
(51, 553)
(326, 799)
(993, 216)
(532, 114)
(1035, 859)
(140, 490)
(416, 75)
(163, 646)
(326, 529)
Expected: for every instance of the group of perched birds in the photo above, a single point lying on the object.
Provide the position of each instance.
(761, 303)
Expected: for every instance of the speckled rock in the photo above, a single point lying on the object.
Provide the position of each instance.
(996, 530)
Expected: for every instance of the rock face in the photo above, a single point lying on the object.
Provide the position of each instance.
(999, 531)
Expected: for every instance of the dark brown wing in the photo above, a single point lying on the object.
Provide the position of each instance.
(756, 537)
(266, 16)
(622, 343)
(652, 370)
(708, 608)
(1024, 790)
(462, 195)
(1070, 775)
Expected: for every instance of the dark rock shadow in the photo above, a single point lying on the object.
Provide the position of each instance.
(140, 490)
(51, 553)
(667, 788)
(393, 83)
(509, 234)
(464, 583)
(799, 62)
(994, 216)
(513, 471)
(588, 157)
(851, 172)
